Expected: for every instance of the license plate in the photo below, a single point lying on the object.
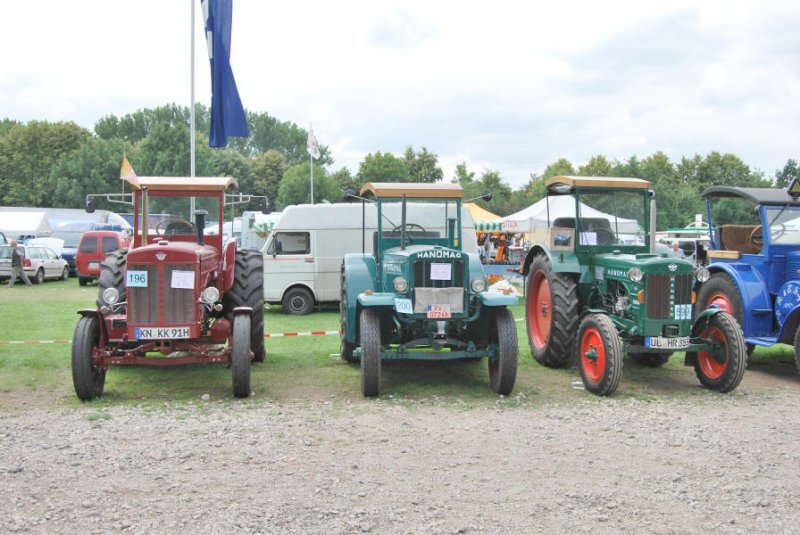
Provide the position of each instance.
(661, 342)
(161, 333)
(94, 265)
(438, 311)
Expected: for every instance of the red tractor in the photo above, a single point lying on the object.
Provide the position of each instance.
(177, 296)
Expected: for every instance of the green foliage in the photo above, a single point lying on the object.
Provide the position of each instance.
(296, 186)
(561, 167)
(596, 166)
(345, 179)
(6, 125)
(423, 165)
(27, 155)
(462, 175)
(382, 167)
(790, 171)
(268, 170)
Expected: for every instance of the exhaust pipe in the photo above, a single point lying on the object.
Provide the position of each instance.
(200, 224)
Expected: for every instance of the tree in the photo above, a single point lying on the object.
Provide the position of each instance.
(268, 170)
(784, 177)
(596, 166)
(501, 193)
(561, 167)
(6, 125)
(462, 175)
(27, 155)
(295, 186)
(382, 167)
(423, 165)
(345, 179)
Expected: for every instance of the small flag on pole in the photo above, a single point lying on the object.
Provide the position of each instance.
(126, 171)
(227, 113)
(311, 144)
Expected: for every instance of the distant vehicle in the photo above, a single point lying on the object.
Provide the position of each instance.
(40, 263)
(71, 232)
(303, 253)
(694, 249)
(3, 240)
(92, 249)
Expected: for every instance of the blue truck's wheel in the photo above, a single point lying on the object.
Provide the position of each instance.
(721, 376)
(599, 354)
(503, 369)
(370, 352)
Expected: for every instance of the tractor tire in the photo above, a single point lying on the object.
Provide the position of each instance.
(551, 314)
(726, 376)
(248, 291)
(345, 348)
(720, 290)
(298, 302)
(370, 325)
(240, 356)
(599, 352)
(87, 379)
(39, 277)
(503, 369)
(651, 360)
(112, 275)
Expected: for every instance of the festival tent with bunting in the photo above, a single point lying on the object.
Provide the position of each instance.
(484, 220)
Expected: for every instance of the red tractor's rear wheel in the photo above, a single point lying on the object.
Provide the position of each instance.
(599, 354)
(725, 333)
(248, 291)
(551, 313)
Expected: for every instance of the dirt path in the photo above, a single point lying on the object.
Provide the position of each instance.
(721, 464)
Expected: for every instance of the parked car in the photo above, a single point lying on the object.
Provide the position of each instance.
(72, 231)
(40, 263)
(92, 250)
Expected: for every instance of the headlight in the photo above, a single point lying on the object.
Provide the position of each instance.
(701, 274)
(400, 284)
(110, 296)
(635, 274)
(210, 295)
(478, 284)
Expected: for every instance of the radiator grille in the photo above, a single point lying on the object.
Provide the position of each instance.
(144, 303)
(422, 274)
(663, 288)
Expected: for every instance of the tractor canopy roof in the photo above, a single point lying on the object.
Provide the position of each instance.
(756, 195)
(412, 190)
(568, 183)
(183, 183)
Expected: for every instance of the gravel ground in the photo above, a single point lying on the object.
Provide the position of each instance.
(718, 464)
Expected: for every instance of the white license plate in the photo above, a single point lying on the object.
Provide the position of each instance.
(161, 333)
(438, 311)
(661, 342)
(94, 265)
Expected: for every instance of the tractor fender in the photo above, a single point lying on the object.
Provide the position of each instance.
(89, 312)
(376, 300)
(787, 311)
(702, 319)
(756, 302)
(228, 264)
(498, 299)
(239, 311)
(361, 274)
(562, 261)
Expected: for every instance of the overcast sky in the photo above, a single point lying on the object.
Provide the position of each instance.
(505, 86)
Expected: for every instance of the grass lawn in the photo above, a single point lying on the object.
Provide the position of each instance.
(296, 368)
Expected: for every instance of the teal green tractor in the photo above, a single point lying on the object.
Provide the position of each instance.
(419, 296)
(595, 290)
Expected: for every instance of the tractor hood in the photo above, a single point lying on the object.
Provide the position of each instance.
(427, 252)
(172, 252)
(616, 265)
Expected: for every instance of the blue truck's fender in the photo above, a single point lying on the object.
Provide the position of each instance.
(787, 311)
(756, 302)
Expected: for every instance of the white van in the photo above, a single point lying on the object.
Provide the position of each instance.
(303, 254)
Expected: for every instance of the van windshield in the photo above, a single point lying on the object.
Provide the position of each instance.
(71, 237)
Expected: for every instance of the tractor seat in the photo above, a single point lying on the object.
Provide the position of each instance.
(737, 238)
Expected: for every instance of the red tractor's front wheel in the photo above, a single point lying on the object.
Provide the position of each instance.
(551, 313)
(724, 371)
(599, 354)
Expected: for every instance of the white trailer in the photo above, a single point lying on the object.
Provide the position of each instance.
(303, 253)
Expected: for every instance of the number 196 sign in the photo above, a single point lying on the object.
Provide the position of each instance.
(136, 279)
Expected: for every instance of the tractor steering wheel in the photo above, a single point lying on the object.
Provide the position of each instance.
(408, 226)
(174, 225)
(606, 233)
(775, 232)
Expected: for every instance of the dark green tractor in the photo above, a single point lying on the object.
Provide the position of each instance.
(420, 296)
(596, 290)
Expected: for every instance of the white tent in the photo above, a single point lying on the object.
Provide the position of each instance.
(17, 224)
(535, 215)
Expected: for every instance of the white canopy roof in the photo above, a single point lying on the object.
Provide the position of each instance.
(535, 215)
(16, 224)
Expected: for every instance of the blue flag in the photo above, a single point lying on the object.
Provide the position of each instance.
(227, 113)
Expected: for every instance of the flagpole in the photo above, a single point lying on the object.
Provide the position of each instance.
(192, 118)
(311, 161)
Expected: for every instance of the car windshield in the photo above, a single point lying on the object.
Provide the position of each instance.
(71, 237)
(784, 225)
(610, 217)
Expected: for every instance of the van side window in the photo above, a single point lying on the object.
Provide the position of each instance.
(290, 243)
(109, 244)
(88, 244)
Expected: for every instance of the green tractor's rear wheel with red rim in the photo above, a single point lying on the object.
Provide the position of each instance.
(722, 367)
(551, 313)
(599, 353)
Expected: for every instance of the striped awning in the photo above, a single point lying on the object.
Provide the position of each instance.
(489, 226)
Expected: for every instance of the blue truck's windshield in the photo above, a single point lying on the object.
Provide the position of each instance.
(784, 225)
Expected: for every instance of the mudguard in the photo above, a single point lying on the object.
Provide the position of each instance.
(787, 311)
(376, 300)
(228, 265)
(103, 327)
(361, 274)
(498, 299)
(562, 262)
(756, 302)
